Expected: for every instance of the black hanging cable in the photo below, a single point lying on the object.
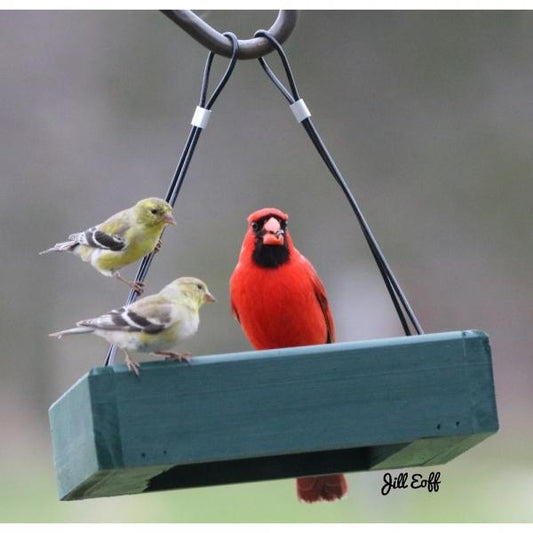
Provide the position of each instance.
(336, 174)
(302, 114)
(186, 156)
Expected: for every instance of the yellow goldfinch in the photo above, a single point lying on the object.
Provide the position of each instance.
(121, 239)
(153, 324)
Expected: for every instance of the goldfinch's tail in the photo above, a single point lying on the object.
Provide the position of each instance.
(71, 331)
(67, 246)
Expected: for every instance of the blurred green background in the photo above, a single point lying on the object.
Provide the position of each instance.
(430, 118)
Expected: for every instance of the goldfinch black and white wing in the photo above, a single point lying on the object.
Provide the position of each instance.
(150, 315)
(96, 238)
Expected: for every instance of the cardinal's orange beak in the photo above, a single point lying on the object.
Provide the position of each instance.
(169, 219)
(273, 234)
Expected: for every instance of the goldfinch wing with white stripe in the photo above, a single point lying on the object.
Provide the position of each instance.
(109, 235)
(95, 238)
(152, 314)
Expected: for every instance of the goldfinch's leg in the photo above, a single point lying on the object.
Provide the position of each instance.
(175, 356)
(131, 364)
(135, 285)
(158, 246)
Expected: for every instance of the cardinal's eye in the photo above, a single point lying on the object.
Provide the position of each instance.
(255, 226)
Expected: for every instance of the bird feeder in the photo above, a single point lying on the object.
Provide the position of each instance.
(389, 403)
(251, 416)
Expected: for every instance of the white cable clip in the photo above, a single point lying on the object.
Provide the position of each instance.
(200, 117)
(300, 110)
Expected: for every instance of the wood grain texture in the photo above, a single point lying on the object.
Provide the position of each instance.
(387, 403)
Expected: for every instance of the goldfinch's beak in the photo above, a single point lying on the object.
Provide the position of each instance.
(273, 234)
(209, 297)
(169, 219)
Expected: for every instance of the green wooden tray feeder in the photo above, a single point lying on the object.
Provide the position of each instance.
(356, 406)
(345, 407)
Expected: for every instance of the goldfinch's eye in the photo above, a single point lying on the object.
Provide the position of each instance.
(153, 211)
(199, 287)
(255, 226)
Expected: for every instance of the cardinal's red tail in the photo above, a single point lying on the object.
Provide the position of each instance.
(327, 488)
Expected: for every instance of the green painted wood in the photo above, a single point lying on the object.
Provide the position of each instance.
(386, 403)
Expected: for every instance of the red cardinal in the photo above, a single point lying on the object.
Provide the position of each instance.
(280, 302)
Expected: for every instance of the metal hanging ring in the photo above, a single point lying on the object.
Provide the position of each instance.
(217, 43)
